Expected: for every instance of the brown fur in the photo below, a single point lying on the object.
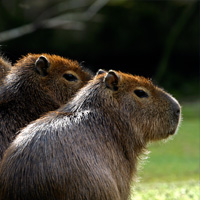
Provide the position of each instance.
(34, 86)
(89, 148)
(5, 67)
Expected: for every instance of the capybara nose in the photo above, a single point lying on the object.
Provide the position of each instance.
(176, 109)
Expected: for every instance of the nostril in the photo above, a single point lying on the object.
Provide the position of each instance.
(176, 109)
(178, 112)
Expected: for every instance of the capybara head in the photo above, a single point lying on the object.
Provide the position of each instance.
(60, 77)
(35, 85)
(153, 113)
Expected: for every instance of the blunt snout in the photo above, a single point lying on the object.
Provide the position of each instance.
(174, 105)
(176, 109)
(173, 114)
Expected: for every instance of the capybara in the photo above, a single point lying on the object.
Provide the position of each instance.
(88, 149)
(35, 85)
(5, 67)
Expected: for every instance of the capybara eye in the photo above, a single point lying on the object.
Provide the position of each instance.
(141, 93)
(70, 77)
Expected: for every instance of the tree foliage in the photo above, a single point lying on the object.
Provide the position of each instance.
(157, 39)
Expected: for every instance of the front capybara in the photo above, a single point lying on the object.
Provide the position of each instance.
(5, 67)
(88, 149)
(35, 85)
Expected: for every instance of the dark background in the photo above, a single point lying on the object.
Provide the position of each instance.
(156, 39)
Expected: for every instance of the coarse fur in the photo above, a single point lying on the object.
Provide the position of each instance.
(35, 85)
(89, 148)
(5, 67)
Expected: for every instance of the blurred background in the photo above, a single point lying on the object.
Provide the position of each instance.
(155, 39)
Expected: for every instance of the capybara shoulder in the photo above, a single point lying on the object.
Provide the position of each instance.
(88, 149)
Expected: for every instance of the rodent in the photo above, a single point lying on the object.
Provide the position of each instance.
(36, 84)
(89, 148)
(5, 67)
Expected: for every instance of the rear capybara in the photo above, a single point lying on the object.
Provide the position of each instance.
(35, 85)
(89, 148)
(5, 67)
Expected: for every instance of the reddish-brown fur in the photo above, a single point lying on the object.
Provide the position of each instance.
(5, 67)
(89, 148)
(35, 85)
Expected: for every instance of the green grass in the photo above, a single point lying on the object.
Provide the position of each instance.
(167, 191)
(173, 164)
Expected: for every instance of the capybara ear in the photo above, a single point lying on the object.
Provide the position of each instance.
(42, 65)
(101, 71)
(112, 80)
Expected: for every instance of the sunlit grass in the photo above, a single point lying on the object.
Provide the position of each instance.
(171, 165)
(188, 190)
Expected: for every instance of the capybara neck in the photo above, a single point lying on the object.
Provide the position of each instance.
(23, 88)
(102, 105)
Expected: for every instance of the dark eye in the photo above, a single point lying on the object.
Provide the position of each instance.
(70, 77)
(141, 93)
